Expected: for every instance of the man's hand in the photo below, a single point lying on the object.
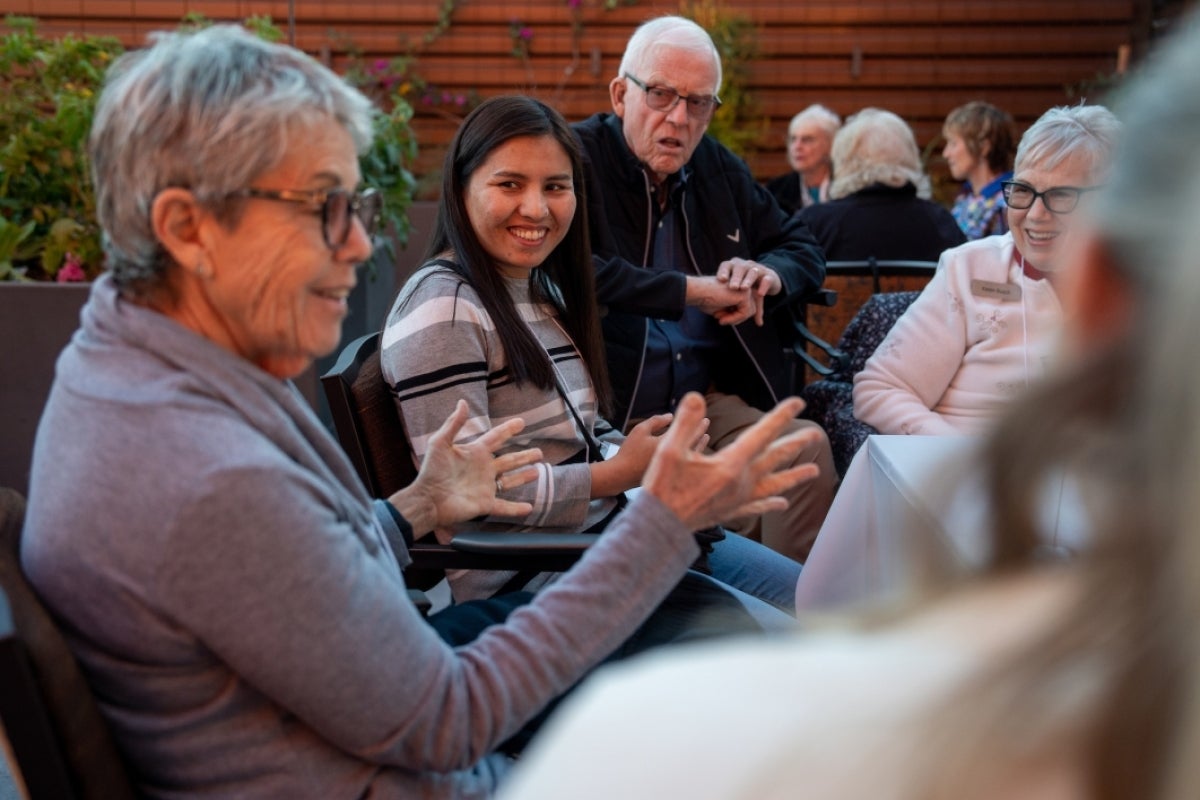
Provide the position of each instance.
(743, 478)
(459, 481)
(744, 275)
(716, 298)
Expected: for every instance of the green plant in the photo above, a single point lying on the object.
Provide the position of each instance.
(48, 91)
(739, 123)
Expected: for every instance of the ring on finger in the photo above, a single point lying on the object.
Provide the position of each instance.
(499, 485)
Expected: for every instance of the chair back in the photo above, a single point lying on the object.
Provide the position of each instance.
(60, 743)
(365, 418)
(830, 401)
(880, 268)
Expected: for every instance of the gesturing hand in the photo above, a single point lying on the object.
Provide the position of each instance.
(717, 298)
(458, 481)
(743, 478)
(745, 275)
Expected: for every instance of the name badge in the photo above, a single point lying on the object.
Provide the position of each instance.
(996, 291)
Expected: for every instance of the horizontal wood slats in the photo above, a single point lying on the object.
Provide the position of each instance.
(919, 58)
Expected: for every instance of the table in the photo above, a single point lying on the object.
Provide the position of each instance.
(908, 506)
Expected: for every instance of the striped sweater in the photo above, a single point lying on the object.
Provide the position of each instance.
(440, 345)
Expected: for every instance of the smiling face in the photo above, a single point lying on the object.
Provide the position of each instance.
(1041, 236)
(276, 293)
(521, 201)
(664, 140)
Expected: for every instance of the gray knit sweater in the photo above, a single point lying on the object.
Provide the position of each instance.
(439, 346)
(236, 601)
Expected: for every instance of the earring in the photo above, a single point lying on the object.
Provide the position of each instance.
(202, 270)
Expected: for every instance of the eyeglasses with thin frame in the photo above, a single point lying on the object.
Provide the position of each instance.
(338, 208)
(1056, 199)
(700, 107)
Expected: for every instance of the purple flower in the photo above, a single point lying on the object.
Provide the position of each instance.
(526, 33)
(380, 65)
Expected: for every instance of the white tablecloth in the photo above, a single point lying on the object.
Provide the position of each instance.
(909, 504)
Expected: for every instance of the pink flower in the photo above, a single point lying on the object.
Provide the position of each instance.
(71, 270)
(574, 3)
(526, 33)
(380, 65)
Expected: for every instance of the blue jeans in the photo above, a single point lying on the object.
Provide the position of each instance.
(756, 570)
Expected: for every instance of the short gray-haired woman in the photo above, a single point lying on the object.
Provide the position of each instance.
(987, 324)
(809, 140)
(231, 591)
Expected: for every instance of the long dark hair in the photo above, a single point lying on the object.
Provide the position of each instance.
(565, 279)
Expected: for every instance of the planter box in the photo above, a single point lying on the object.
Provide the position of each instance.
(38, 319)
(36, 322)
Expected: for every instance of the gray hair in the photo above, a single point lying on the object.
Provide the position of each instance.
(1067, 131)
(208, 111)
(1153, 190)
(818, 115)
(671, 32)
(874, 146)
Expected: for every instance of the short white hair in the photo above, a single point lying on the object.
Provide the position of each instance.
(818, 115)
(672, 32)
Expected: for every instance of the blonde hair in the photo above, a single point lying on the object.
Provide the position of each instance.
(1126, 427)
(874, 146)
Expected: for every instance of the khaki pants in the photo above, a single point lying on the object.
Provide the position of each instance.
(793, 530)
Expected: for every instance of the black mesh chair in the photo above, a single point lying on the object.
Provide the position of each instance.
(61, 745)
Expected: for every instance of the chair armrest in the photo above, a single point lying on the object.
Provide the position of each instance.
(541, 552)
(837, 358)
(528, 543)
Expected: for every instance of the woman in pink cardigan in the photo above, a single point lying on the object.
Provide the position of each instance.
(988, 322)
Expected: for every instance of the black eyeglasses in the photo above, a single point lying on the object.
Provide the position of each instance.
(700, 107)
(338, 208)
(1057, 199)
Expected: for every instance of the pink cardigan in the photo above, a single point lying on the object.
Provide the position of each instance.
(979, 332)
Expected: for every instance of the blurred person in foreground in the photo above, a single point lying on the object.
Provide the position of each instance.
(874, 209)
(809, 139)
(234, 596)
(1039, 678)
(985, 327)
(979, 151)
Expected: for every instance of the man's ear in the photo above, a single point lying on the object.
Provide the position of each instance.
(617, 88)
(179, 222)
(1096, 295)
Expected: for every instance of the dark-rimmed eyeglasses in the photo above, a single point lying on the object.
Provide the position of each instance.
(700, 107)
(338, 208)
(1056, 199)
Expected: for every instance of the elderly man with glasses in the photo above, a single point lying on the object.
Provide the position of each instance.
(989, 321)
(691, 254)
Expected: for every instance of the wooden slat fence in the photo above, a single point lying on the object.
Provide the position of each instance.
(919, 58)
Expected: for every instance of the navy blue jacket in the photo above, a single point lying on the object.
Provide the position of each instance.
(726, 214)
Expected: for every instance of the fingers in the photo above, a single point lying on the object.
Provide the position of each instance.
(453, 424)
(497, 437)
(758, 438)
(689, 423)
(510, 508)
(654, 425)
(511, 475)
